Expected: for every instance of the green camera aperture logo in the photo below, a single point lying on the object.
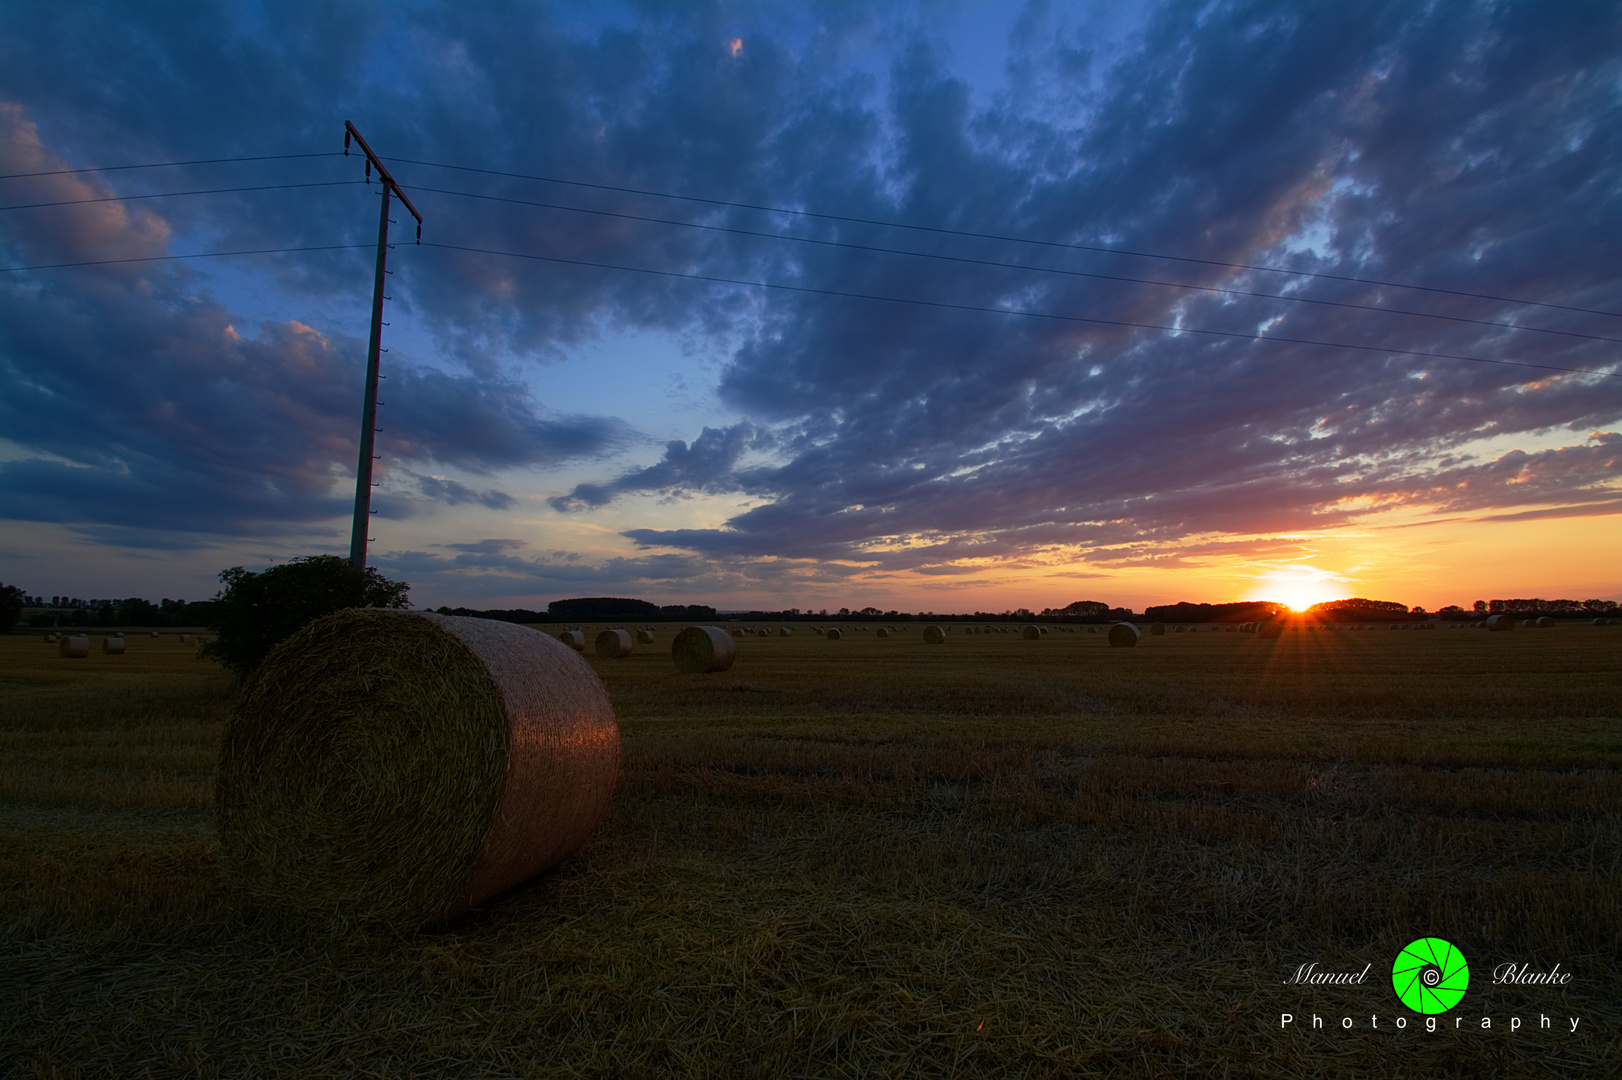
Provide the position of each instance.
(1430, 976)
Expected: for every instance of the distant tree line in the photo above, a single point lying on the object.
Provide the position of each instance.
(38, 612)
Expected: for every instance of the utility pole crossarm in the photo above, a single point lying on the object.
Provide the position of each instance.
(382, 170)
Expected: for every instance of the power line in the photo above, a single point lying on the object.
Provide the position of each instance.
(1024, 313)
(170, 164)
(1015, 266)
(193, 255)
(174, 194)
(1011, 239)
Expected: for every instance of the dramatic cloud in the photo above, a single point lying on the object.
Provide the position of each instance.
(988, 381)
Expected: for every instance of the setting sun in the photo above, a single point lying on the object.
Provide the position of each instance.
(1300, 587)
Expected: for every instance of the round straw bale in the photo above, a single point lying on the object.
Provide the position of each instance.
(698, 650)
(185, 639)
(613, 644)
(1597, 622)
(834, 633)
(1179, 629)
(575, 639)
(50, 639)
(1272, 628)
(784, 631)
(1031, 633)
(153, 634)
(883, 632)
(401, 767)
(736, 632)
(1500, 622)
(1092, 629)
(113, 644)
(1123, 635)
(644, 637)
(934, 635)
(1157, 629)
(1545, 621)
(74, 645)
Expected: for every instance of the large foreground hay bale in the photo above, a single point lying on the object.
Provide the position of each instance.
(1123, 635)
(575, 639)
(402, 767)
(701, 649)
(613, 644)
(1031, 633)
(1500, 622)
(934, 635)
(113, 644)
(74, 645)
(834, 633)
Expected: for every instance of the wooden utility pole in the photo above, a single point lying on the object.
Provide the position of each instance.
(368, 416)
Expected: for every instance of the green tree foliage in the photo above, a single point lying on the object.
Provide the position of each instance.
(255, 611)
(12, 600)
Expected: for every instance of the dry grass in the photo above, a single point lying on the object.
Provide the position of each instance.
(875, 859)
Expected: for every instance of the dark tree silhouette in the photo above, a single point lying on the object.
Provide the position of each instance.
(256, 611)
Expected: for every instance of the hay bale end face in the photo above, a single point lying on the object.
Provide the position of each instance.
(113, 645)
(644, 637)
(1157, 629)
(883, 632)
(834, 633)
(400, 768)
(1031, 633)
(613, 644)
(934, 635)
(784, 631)
(575, 639)
(76, 646)
(736, 632)
(1123, 635)
(699, 650)
(1500, 622)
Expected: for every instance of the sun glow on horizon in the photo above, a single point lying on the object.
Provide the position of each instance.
(1299, 587)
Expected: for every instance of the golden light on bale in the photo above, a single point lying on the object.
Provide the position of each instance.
(834, 634)
(1157, 629)
(699, 650)
(575, 639)
(613, 644)
(934, 635)
(113, 645)
(644, 637)
(883, 632)
(400, 768)
(1500, 622)
(1031, 633)
(1123, 635)
(76, 646)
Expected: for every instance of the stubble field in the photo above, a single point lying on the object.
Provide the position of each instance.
(877, 858)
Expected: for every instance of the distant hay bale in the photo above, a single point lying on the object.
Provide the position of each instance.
(763, 632)
(1123, 635)
(76, 646)
(834, 633)
(1527, 624)
(1272, 628)
(934, 635)
(185, 639)
(736, 632)
(613, 644)
(1031, 633)
(1597, 622)
(644, 637)
(113, 645)
(400, 767)
(1545, 621)
(1179, 629)
(784, 631)
(699, 650)
(575, 639)
(1157, 629)
(1092, 629)
(1500, 622)
(884, 632)
(153, 634)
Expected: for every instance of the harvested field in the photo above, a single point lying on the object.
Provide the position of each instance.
(881, 859)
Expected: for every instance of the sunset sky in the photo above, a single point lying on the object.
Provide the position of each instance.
(932, 306)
